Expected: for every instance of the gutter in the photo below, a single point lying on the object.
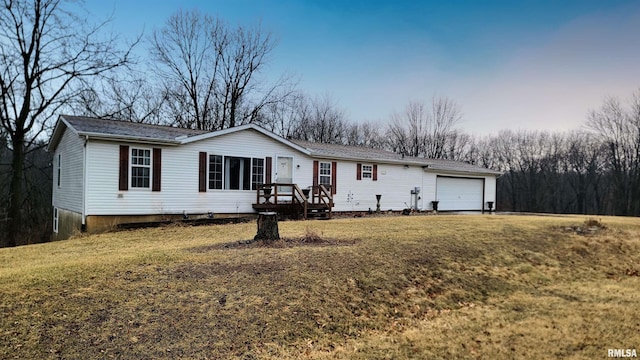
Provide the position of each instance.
(479, 171)
(139, 139)
(84, 181)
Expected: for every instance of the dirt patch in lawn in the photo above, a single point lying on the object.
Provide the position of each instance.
(309, 238)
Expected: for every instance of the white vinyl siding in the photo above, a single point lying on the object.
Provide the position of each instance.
(180, 180)
(180, 177)
(69, 158)
(394, 183)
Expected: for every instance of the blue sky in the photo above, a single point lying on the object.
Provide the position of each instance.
(508, 64)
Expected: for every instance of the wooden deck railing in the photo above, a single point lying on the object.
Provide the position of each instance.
(281, 194)
(322, 195)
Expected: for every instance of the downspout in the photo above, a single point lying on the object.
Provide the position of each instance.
(84, 183)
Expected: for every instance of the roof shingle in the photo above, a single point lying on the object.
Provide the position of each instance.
(359, 153)
(126, 128)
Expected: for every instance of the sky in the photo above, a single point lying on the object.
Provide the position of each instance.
(521, 65)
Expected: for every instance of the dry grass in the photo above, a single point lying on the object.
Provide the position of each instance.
(388, 288)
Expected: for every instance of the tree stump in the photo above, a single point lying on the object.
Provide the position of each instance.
(267, 227)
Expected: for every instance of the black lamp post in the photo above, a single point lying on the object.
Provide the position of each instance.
(490, 206)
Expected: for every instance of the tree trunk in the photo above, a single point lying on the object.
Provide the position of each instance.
(267, 227)
(15, 211)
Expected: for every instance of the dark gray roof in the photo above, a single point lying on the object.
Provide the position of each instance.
(358, 153)
(87, 125)
(117, 129)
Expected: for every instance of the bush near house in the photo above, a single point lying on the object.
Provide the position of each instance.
(390, 287)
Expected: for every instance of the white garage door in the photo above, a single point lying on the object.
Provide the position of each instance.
(460, 194)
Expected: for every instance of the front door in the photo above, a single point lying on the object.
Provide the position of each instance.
(284, 172)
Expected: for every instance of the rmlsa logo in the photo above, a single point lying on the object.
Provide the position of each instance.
(622, 353)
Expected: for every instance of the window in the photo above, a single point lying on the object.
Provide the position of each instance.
(140, 168)
(257, 173)
(237, 173)
(58, 168)
(215, 172)
(367, 171)
(325, 173)
(55, 219)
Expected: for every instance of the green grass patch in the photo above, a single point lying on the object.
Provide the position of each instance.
(393, 287)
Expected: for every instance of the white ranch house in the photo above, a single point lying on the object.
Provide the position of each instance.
(108, 172)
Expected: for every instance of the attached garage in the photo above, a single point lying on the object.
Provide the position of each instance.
(459, 193)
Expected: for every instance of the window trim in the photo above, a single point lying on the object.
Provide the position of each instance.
(242, 172)
(225, 177)
(367, 174)
(209, 172)
(132, 165)
(256, 177)
(328, 173)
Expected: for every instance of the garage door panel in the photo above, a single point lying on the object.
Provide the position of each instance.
(459, 193)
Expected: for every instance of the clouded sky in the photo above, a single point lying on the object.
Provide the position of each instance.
(508, 64)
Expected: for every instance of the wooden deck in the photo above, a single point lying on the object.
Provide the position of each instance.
(290, 200)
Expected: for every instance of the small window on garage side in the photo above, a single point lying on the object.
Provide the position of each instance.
(55, 219)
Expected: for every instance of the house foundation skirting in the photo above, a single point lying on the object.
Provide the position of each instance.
(69, 223)
(104, 223)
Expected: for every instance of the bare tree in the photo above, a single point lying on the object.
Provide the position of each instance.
(419, 131)
(243, 56)
(320, 120)
(285, 117)
(210, 71)
(367, 134)
(619, 129)
(46, 51)
(123, 96)
(187, 56)
(445, 114)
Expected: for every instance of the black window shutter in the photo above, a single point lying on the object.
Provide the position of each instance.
(157, 169)
(202, 172)
(123, 183)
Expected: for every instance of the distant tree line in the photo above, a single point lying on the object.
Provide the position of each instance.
(204, 73)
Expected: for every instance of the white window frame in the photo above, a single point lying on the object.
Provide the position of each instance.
(241, 172)
(367, 171)
(257, 177)
(211, 172)
(56, 217)
(148, 166)
(324, 173)
(226, 173)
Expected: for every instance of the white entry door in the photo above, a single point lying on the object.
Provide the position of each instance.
(284, 174)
